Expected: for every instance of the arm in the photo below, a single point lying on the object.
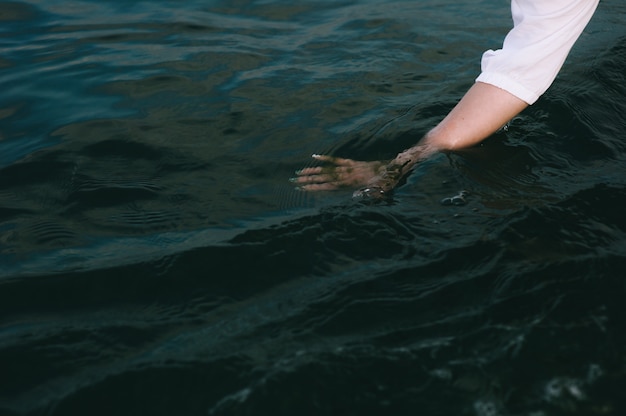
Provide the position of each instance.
(482, 111)
(511, 78)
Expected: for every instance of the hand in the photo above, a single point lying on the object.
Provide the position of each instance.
(376, 178)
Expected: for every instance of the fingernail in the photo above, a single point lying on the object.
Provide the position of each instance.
(293, 180)
(315, 155)
(299, 171)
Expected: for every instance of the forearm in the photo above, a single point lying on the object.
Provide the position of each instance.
(512, 77)
(481, 112)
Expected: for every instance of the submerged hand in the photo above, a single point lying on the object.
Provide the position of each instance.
(376, 178)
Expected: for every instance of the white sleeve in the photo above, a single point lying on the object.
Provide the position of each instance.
(535, 49)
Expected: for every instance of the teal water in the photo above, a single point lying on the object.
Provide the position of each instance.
(155, 259)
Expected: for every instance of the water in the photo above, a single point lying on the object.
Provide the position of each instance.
(156, 260)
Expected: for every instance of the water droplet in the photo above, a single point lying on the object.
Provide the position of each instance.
(458, 200)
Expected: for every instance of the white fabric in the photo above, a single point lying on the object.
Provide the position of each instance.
(534, 51)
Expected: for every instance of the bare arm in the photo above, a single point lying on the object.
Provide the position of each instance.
(481, 112)
(511, 78)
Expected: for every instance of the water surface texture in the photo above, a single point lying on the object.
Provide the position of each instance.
(155, 259)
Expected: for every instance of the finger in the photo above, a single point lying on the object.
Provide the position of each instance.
(333, 159)
(330, 170)
(328, 186)
(322, 178)
(310, 171)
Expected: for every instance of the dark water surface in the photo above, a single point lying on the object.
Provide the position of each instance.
(155, 260)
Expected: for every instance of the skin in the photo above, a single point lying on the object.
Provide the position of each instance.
(481, 112)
